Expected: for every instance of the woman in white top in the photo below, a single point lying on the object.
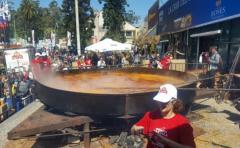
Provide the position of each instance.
(101, 63)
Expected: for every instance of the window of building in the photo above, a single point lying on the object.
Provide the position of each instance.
(235, 33)
(128, 33)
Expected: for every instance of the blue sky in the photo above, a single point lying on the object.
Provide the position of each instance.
(140, 7)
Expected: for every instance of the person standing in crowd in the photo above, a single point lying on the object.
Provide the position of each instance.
(137, 58)
(81, 63)
(13, 92)
(45, 60)
(101, 63)
(165, 127)
(25, 75)
(204, 59)
(88, 62)
(22, 89)
(215, 62)
(165, 62)
(1, 87)
(124, 61)
(94, 59)
(37, 58)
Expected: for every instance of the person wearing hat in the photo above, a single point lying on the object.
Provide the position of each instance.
(37, 58)
(165, 127)
(45, 60)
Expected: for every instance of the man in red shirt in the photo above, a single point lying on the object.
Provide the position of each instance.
(45, 60)
(165, 127)
(88, 62)
(37, 59)
(165, 62)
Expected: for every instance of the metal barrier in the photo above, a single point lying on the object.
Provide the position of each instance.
(20, 104)
(183, 67)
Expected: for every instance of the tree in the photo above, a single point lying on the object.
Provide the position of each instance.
(113, 15)
(29, 10)
(86, 19)
(55, 14)
(131, 17)
(44, 23)
(29, 16)
(12, 24)
(50, 18)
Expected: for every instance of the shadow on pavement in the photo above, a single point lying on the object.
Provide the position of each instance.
(232, 116)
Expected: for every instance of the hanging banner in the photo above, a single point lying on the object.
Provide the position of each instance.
(69, 39)
(33, 38)
(53, 39)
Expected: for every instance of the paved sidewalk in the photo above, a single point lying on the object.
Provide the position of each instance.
(218, 123)
(15, 119)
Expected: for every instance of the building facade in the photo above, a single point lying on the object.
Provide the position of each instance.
(99, 30)
(189, 27)
(130, 31)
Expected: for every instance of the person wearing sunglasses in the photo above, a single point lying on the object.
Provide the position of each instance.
(165, 127)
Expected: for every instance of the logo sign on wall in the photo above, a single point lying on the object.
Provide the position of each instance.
(17, 58)
(178, 15)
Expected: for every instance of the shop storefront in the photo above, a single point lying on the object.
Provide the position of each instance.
(191, 27)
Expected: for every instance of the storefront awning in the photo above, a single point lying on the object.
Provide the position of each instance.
(209, 33)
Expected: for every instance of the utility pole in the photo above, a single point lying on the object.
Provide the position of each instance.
(77, 28)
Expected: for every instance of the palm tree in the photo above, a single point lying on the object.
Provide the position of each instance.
(28, 10)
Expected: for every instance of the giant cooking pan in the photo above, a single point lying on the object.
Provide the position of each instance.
(58, 90)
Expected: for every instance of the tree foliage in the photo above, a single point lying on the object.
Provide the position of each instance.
(114, 18)
(86, 19)
(55, 15)
(27, 14)
(131, 17)
(30, 16)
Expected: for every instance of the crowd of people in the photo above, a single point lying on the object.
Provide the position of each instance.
(64, 59)
(15, 90)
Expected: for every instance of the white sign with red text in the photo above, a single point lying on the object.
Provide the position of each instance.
(17, 59)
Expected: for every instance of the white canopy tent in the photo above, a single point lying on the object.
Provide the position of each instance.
(108, 45)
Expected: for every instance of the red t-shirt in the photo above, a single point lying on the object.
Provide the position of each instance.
(88, 62)
(46, 61)
(37, 61)
(177, 128)
(165, 62)
(81, 64)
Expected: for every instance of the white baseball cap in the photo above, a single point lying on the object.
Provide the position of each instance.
(37, 54)
(166, 93)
